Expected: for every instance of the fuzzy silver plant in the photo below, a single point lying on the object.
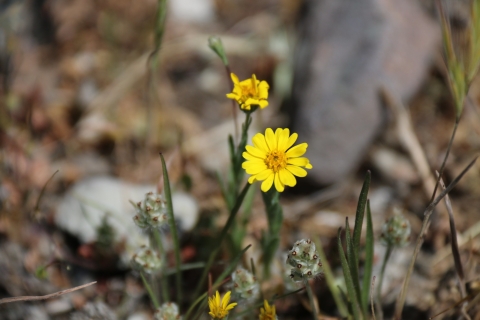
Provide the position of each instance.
(146, 260)
(245, 285)
(396, 231)
(167, 311)
(305, 261)
(151, 212)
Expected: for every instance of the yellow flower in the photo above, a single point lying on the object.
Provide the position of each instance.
(250, 92)
(219, 308)
(271, 159)
(267, 312)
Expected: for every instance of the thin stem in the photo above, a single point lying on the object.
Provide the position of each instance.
(311, 299)
(150, 291)
(221, 238)
(442, 168)
(234, 106)
(380, 281)
(163, 257)
(426, 222)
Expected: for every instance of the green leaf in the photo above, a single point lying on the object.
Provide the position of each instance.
(367, 273)
(362, 201)
(352, 260)
(173, 228)
(348, 279)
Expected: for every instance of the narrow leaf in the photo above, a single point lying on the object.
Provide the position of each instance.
(362, 201)
(367, 275)
(348, 279)
(173, 228)
(352, 261)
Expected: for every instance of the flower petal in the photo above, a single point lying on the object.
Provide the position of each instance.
(299, 172)
(251, 157)
(232, 96)
(262, 103)
(267, 184)
(287, 178)
(291, 140)
(283, 139)
(226, 299)
(254, 168)
(234, 78)
(270, 138)
(256, 152)
(252, 179)
(260, 143)
(297, 151)
(301, 162)
(263, 90)
(278, 184)
(264, 174)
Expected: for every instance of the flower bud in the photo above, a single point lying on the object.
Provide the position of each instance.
(151, 212)
(167, 311)
(146, 260)
(305, 261)
(245, 285)
(396, 231)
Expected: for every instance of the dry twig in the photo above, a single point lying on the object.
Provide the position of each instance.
(48, 296)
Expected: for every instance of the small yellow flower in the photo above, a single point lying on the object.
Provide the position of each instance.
(271, 159)
(250, 92)
(219, 308)
(267, 312)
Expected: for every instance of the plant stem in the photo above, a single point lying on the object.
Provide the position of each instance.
(164, 278)
(150, 291)
(221, 238)
(428, 212)
(311, 298)
(442, 167)
(380, 281)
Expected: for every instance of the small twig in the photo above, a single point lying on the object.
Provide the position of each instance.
(455, 251)
(428, 212)
(37, 206)
(48, 296)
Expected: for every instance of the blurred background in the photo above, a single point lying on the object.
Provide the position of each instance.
(83, 117)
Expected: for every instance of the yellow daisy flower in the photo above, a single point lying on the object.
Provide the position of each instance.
(250, 92)
(271, 159)
(219, 308)
(267, 312)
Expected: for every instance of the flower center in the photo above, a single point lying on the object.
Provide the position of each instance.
(276, 160)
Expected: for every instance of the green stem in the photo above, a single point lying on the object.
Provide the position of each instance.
(150, 291)
(330, 278)
(163, 257)
(221, 238)
(311, 299)
(380, 281)
(173, 228)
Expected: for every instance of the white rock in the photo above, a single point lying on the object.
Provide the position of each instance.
(192, 11)
(84, 206)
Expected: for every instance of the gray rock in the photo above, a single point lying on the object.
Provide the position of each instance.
(347, 51)
(85, 205)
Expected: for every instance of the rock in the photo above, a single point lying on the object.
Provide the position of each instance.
(85, 205)
(347, 51)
